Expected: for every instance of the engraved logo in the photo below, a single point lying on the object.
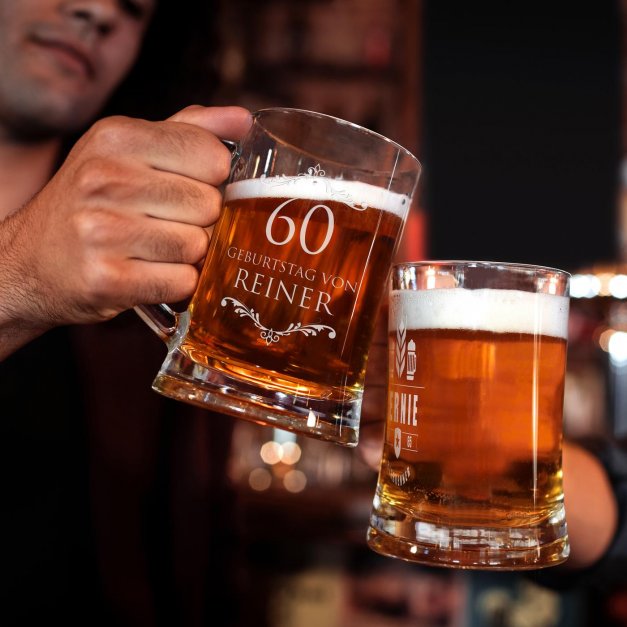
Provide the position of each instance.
(400, 350)
(397, 442)
(411, 360)
(271, 336)
(333, 188)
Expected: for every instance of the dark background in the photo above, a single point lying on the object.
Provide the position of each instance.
(522, 131)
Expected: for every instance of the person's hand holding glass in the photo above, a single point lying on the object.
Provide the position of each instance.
(279, 328)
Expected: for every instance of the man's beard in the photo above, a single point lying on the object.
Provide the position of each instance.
(22, 129)
(30, 114)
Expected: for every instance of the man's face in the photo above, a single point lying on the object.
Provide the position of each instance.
(60, 60)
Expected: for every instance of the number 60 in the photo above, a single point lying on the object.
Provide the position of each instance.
(291, 227)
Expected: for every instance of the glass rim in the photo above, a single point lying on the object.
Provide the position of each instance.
(357, 127)
(469, 263)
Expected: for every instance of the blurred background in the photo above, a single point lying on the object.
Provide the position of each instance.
(518, 114)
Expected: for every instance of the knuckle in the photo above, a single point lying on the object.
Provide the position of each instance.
(193, 108)
(206, 203)
(195, 196)
(180, 193)
(184, 245)
(95, 226)
(184, 113)
(166, 248)
(101, 283)
(95, 174)
(183, 144)
(111, 131)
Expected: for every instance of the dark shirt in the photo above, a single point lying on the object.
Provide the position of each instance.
(610, 572)
(612, 568)
(116, 498)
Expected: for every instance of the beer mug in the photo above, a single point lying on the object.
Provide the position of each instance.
(471, 474)
(279, 327)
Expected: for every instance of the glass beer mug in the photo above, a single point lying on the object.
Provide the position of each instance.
(471, 475)
(279, 328)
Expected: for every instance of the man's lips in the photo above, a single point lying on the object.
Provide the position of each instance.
(70, 54)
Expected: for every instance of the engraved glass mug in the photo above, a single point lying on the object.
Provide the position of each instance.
(471, 475)
(279, 327)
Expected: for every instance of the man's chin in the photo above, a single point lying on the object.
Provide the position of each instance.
(44, 123)
(37, 105)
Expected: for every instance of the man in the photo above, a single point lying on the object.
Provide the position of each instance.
(122, 219)
(108, 488)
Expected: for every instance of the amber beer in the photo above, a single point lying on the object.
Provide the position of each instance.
(279, 327)
(472, 452)
(292, 283)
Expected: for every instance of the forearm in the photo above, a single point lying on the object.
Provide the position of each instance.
(122, 222)
(13, 336)
(16, 326)
(591, 508)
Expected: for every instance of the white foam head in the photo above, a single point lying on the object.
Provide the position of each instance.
(319, 188)
(500, 311)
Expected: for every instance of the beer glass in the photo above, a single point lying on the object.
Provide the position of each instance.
(279, 327)
(471, 474)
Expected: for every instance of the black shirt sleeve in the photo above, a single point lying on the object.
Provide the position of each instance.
(611, 570)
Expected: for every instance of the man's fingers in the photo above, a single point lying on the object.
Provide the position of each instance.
(184, 149)
(190, 151)
(127, 189)
(135, 282)
(180, 243)
(188, 201)
(161, 282)
(108, 234)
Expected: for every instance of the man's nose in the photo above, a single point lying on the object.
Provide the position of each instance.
(97, 16)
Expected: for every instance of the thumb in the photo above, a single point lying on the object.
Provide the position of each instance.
(224, 122)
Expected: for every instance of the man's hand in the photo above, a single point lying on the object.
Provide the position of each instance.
(121, 223)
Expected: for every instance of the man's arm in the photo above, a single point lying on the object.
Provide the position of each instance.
(15, 329)
(591, 507)
(123, 222)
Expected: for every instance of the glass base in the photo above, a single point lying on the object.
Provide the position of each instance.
(396, 533)
(183, 379)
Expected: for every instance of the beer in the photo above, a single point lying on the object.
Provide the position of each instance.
(279, 327)
(292, 283)
(474, 420)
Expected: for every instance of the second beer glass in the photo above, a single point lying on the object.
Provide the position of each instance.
(279, 328)
(471, 475)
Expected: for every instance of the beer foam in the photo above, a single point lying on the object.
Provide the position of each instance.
(319, 188)
(500, 311)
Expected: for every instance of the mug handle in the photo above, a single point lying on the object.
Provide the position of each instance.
(162, 319)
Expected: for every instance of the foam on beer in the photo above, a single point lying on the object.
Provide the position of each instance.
(320, 189)
(500, 311)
